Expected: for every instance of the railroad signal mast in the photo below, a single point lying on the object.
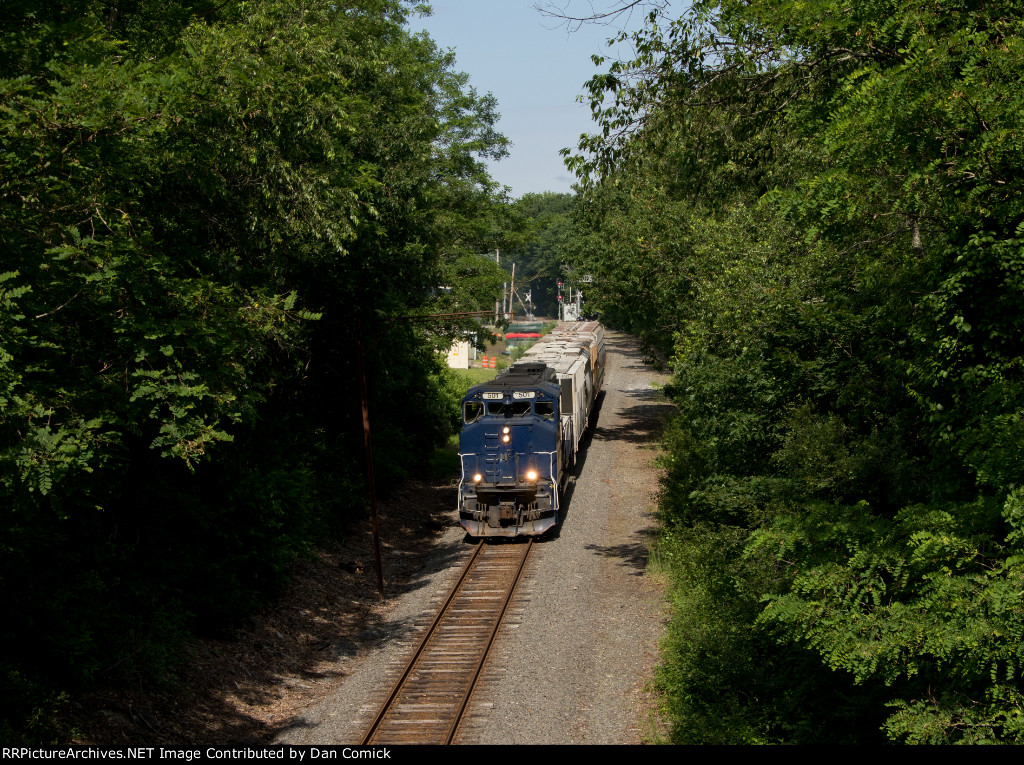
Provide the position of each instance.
(527, 304)
(570, 302)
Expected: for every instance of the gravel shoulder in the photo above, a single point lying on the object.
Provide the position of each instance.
(579, 659)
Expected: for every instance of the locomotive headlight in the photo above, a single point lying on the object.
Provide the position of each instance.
(506, 439)
(531, 475)
(506, 430)
(477, 478)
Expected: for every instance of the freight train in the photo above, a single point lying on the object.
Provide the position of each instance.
(522, 433)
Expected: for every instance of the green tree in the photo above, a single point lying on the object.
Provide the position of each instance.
(819, 205)
(202, 205)
(544, 247)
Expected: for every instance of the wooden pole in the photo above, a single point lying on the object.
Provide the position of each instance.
(364, 400)
(369, 463)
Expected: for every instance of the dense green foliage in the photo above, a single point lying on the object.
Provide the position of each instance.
(543, 248)
(202, 206)
(816, 211)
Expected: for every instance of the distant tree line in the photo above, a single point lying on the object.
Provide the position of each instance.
(202, 206)
(816, 212)
(543, 246)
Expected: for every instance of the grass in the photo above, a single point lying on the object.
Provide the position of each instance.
(443, 463)
(475, 376)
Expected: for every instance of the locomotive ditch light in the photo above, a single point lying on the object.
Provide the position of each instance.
(477, 478)
(531, 475)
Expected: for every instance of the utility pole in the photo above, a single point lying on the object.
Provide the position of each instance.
(511, 293)
(497, 262)
(365, 404)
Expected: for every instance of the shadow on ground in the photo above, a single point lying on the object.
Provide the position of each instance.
(632, 555)
(246, 686)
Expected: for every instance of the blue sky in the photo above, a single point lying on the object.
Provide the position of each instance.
(535, 67)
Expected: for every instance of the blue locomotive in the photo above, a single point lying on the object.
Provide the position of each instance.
(522, 432)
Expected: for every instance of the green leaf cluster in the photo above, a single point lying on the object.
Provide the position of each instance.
(813, 211)
(204, 206)
(544, 245)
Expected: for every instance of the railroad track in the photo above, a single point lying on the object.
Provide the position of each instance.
(428, 700)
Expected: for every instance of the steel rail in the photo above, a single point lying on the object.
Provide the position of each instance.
(423, 642)
(471, 614)
(487, 647)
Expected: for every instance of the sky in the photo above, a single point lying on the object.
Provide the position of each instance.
(536, 67)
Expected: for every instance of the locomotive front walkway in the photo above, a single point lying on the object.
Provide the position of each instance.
(571, 668)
